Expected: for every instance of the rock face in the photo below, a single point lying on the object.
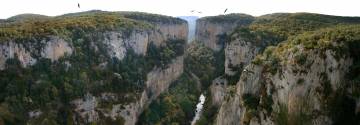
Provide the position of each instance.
(239, 53)
(117, 43)
(52, 48)
(158, 80)
(110, 46)
(212, 31)
(300, 85)
(218, 91)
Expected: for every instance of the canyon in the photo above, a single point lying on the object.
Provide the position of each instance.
(130, 68)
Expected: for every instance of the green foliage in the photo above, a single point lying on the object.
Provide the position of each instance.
(27, 17)
(50, 86)
(341, 109)
(300, 81)
(284, 117)
(354, 73)
(175, 106)
(233, 79)
(301, 59)
(66, 26)
(337, 38)
(241, 19)
(251, 101)
(271, 60)
(200, 61)
(164, 54)
(259, 38)
(289, 24)
(152, 18)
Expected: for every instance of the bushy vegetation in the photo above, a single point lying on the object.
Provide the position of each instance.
(50, 86)
(337, 38)
(342, 39)
(177, 106)
(251, 101)
(152, 18)
(47, 84)
(354, 73)
(204, 63)
(27, 17)
(299, 117)
(259, 38)
(241, 19)
(174, 106)
(284, 25)
(164, 54)
(66, 26)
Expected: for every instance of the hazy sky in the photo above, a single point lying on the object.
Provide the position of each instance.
(9, 8)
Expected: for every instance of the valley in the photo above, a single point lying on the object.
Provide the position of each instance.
(127, 68)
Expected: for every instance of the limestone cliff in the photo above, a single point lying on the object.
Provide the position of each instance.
(212, 31)
(298, 83)
(158, 80)
(242, 47)
(101, 67)
(117, 43)
(53, 49)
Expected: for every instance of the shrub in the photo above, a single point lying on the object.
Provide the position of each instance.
(301, 59)
(251, 101)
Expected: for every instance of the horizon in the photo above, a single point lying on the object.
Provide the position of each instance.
(182, 8)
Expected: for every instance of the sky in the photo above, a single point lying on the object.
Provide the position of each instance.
(10, 8)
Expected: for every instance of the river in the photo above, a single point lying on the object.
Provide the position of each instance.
(199, 108)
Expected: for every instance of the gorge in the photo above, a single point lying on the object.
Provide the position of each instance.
(115, 68)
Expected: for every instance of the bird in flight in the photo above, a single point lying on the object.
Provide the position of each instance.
(225, 10)
(79, 5)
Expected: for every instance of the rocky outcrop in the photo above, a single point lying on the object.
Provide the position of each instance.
(51, 48)
(218, 91)
(99, 44)
(212, 31)
(291, 89)
(239, 53)
(158, 80)
(117, 44)
(173, 31)
(231, 111)
(291, 84)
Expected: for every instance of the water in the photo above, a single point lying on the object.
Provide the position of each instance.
(199, 108)
(192, 25)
